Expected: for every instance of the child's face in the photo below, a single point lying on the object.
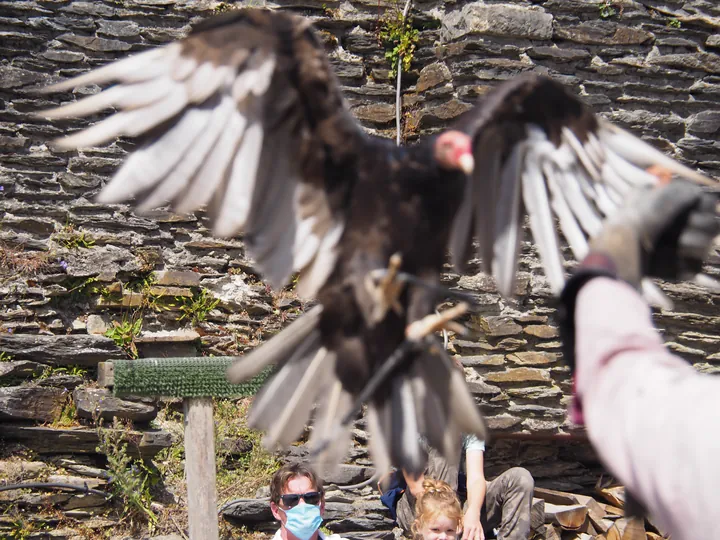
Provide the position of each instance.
(440, 528)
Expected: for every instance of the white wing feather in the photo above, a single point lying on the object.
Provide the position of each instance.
(211, 116)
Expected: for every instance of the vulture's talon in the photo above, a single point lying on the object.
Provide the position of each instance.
(418, 330)
(385, 288)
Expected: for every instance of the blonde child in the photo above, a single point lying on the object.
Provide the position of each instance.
(438, 512)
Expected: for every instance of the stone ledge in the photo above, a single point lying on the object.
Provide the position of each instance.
(62, 350)
(81, 440)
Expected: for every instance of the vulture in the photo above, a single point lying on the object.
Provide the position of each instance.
(245, 117)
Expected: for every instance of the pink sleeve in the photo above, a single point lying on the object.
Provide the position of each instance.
(654, 421)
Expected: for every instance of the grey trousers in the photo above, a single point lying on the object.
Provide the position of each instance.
(507, 501)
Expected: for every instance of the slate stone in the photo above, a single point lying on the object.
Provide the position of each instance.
(502, 422)
(345, 71)
(90, 8)
(13, 77)
(68, 57)
(80, 481)
(347, 474)
(701, 61)
(603, 33)
(535, 392)
(704, 122)
(96, 325)
(110, 259)
(337, 510)
(647, 119)
(66, 382)
(249, 511)
(499, 326)
(522, 374)
(22, 469)
(31, 403)
(370, 522)
(549, 345)
(447, 111)
(128, 299)
(92, 401)
(532, 358)
(119, 28)
(369, 535)
(537, 410)
(74, 465)
(20, 369)
(96, 43)
(179, 278)
(62, 350)
(44, 440)
(558, 54)
(480, 388)
(377, 113)
(538, 425)
(484, 360)
(432, 76)
(509, 21)
(541, 330)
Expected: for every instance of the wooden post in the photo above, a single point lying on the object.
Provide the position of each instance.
(200, 468)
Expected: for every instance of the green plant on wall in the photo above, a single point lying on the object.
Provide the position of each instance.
(674, 22)
(72, 238)
(67, 415)
(130, 477)
(124, 332)
(609, 9)
(398, 38)
(196, 308)
(222, 7)
(22, 528)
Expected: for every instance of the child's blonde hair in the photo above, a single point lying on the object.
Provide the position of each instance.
(437, 499)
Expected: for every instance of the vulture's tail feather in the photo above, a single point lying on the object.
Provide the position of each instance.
(278, 350)
(284, 404)
(330, 439)
(429, 404)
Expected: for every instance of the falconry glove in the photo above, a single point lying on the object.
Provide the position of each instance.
(664, 232)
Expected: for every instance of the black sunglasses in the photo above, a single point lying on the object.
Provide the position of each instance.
(292, 499)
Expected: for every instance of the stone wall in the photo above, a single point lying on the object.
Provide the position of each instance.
(72, 269)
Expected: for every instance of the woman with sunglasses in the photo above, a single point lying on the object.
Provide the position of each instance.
(297, 501)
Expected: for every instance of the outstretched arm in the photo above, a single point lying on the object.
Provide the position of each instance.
(651, 417)
(476, 488)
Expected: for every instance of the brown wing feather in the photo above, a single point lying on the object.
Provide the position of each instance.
(556, 157)
(244, 115)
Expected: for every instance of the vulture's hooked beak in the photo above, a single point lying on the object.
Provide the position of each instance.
(467, 163)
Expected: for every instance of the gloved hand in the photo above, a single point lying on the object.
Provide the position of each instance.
(663, 232)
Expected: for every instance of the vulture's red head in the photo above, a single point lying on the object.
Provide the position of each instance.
(453, 151)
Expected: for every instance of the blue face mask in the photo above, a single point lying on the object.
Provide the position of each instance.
(303, 520)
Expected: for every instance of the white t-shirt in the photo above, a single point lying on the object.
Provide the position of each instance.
(321, 536)
(472, 444)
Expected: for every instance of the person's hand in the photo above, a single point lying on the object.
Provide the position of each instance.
(472, 528)
(663, 232)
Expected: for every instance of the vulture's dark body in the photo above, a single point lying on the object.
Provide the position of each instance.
(401, 203)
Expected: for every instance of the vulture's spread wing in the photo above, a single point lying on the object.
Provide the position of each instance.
(244, 116)
(537, 146)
